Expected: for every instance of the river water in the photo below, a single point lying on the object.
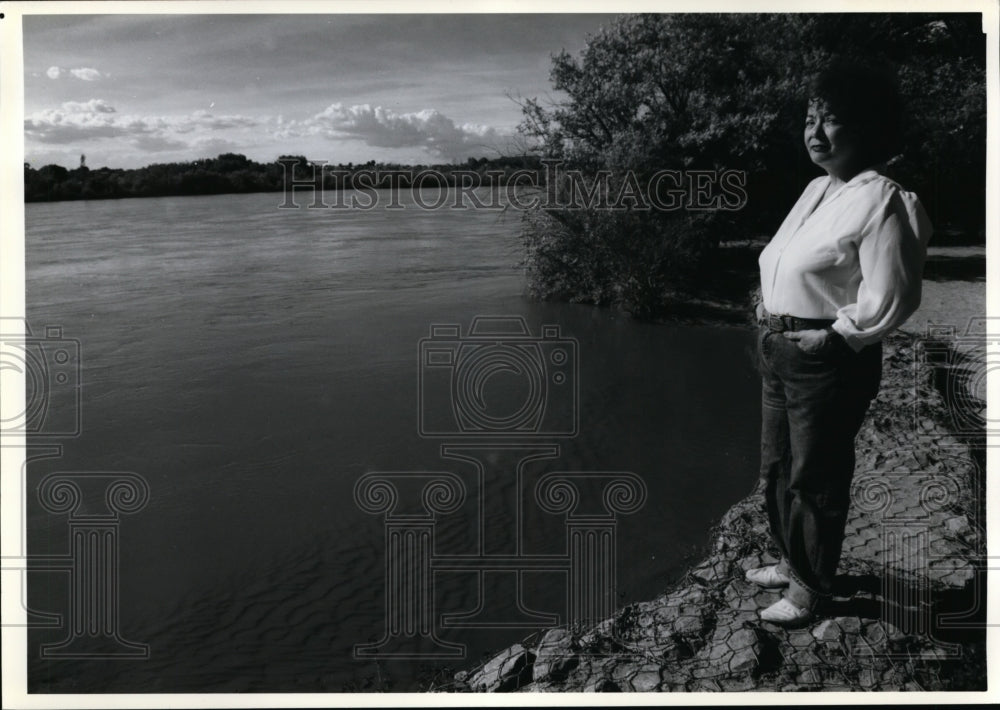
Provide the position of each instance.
(251, 364)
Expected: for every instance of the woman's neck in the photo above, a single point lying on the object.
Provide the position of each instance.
(842, 175)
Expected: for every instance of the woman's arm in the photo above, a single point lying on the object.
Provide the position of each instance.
(891, 252)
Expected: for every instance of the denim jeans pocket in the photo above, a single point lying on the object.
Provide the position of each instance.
(762, 334)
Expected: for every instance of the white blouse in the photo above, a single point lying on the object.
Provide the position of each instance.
(857, 258)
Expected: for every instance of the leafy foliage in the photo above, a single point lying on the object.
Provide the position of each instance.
(628, 258)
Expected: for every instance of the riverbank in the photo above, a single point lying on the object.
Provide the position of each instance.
(907, 614)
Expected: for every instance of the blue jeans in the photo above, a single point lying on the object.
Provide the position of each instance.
(813, 407)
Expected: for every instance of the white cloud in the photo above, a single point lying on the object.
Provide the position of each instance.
(82, 73)
(208, 120)
(385, 132)
(86, 74)
(92, 106)
(76, 121)
(383, 128)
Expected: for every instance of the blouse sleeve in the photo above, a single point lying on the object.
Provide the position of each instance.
(891, 252)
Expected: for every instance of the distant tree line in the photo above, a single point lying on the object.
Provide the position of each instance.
(235, 173)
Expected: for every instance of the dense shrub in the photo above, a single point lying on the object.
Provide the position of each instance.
(641, 261)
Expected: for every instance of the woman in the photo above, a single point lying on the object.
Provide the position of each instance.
(842, 272)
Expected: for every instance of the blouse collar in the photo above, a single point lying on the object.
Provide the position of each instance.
(818, 201)
(862, 177)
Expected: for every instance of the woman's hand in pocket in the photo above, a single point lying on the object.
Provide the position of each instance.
(811, 341)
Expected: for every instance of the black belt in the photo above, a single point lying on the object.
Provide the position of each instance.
(779, 324)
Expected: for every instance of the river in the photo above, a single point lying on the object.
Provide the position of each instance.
(251, 364)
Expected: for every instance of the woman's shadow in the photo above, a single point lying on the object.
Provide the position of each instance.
(938, 614)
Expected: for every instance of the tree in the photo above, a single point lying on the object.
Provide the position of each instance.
(230, 162)
(664, 89)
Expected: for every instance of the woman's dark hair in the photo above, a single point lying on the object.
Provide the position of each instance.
(865, 98)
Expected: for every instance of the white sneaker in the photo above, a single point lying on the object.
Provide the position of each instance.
(786, 613)
(768, 577)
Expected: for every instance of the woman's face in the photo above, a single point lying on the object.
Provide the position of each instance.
(832, 145)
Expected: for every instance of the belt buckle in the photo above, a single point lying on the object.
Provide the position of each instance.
(775, 323)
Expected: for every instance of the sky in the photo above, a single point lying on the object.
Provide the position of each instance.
(131, 90)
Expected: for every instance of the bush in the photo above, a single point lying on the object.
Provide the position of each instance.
(640, 261)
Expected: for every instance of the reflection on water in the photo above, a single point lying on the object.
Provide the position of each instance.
(252, 364)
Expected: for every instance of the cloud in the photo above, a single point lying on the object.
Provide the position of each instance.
(82, 73)
(77, 121)
(86, 74)
(430, 132)
(383, 128)
(208, 120)
(92, 106)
